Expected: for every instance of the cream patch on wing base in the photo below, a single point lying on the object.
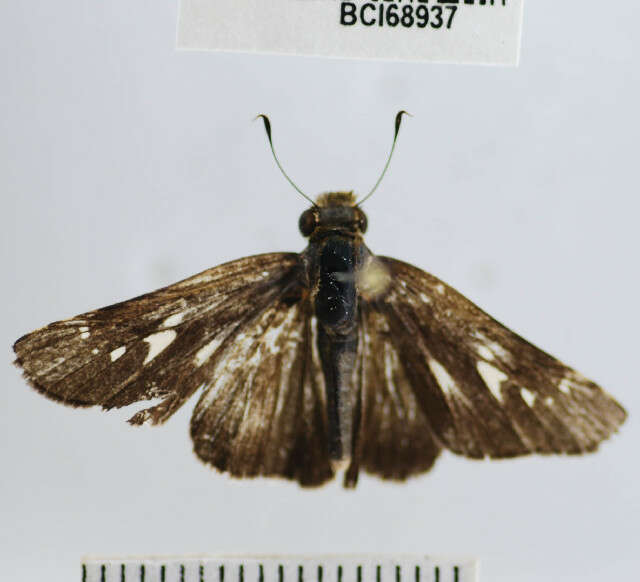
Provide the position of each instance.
(373, 278)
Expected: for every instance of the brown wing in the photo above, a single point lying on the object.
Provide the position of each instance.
(484, 390)
(159, 345)
(393, 438)
(265, 413)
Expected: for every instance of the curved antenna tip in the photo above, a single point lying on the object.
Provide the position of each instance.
(398, 121)
(267, 123)
(267, 128)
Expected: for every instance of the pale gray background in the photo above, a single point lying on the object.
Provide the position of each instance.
(125, 166)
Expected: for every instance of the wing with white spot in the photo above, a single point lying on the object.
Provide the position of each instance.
(484, 390)
(164, 344)
(264, 413)
(392, 439)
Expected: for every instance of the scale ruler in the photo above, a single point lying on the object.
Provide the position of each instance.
(365, 568)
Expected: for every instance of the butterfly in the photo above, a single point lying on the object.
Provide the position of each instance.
(330, 359)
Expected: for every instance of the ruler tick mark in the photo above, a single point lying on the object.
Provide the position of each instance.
(281, 569)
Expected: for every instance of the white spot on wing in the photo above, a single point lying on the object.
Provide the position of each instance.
(565, 386)
(440, 288)
(572, 382)
(489, 345)
(528, 396)
(203, 354)
(548, 401)
(388, 369)
(173, 320)
(446, 382)
(485, 352)
(274, 333)
(84, 332)
(54, 363)
(158, 342)
(95, 351)
(117, 353)
(271, 337)
(425, 298)
(493, 378)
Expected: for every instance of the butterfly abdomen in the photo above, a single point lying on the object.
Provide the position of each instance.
(336, 307)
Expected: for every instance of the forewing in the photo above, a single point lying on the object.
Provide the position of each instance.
(159, 345)
(265, 413)
(393, 438)
(485, 390)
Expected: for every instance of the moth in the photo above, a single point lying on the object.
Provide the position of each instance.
(330, 359)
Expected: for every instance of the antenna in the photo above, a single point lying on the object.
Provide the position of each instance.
(393, 147)
(267, 128)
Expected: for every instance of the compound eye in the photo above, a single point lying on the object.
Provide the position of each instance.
(307, 222)
(362, 221)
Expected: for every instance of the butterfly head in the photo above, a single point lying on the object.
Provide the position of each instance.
(333, 211)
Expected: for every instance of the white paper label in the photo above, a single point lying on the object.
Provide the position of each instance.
(459, 31)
